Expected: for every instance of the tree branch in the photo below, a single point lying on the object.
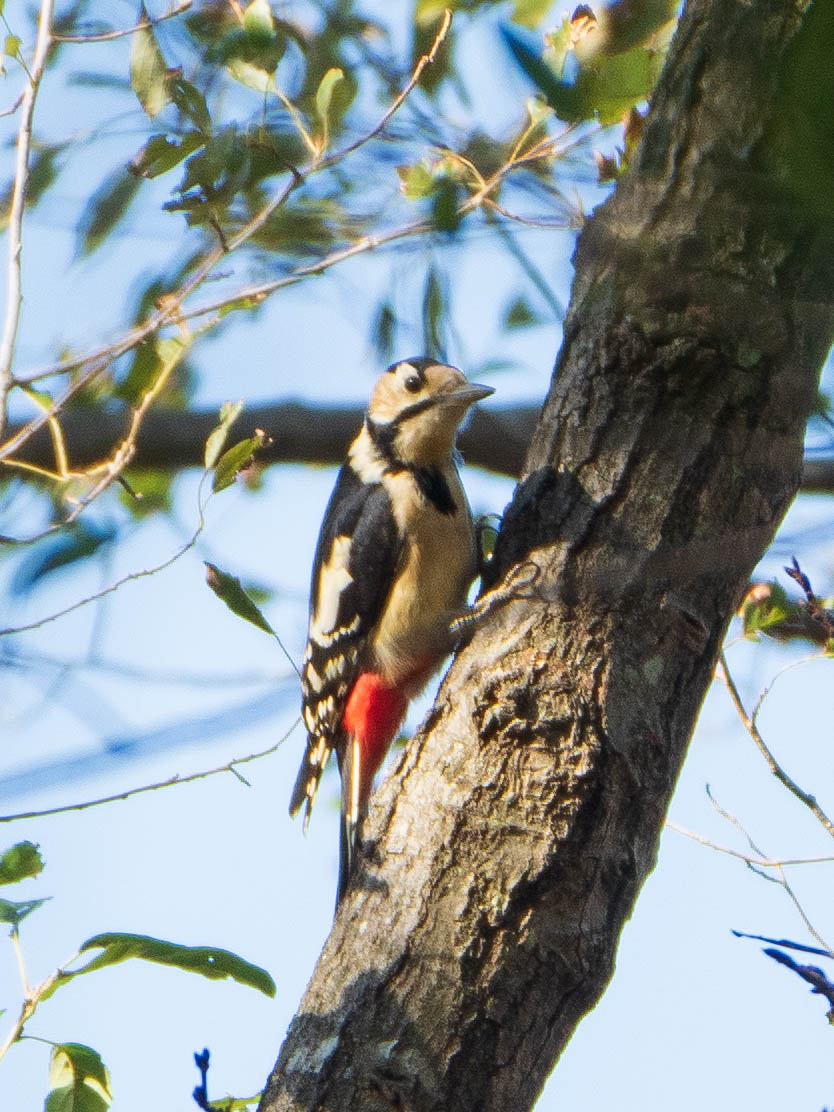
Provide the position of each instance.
(14, 294)
(501, 859)
(496, 437)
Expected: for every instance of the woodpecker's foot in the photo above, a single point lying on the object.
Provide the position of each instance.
(516, 584)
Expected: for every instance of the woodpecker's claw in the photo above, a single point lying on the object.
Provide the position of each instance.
(518, 580)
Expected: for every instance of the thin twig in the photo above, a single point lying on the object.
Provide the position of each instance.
(10, 111)
(14, 294)
(399, 100)
(181, 551)
(108, 36)
(760, 862)
(780, 878)
(230, 766)
(752, 729)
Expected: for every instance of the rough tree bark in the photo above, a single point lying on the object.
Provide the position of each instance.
(505, 853)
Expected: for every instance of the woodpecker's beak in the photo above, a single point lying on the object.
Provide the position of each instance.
(466, 395)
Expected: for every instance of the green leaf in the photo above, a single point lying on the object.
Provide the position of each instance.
(152, 359)
(235, 1104)
(191, 102)
(145, 491)
(21, 861)
(766, 605)
(228, 588)
(520, 315)
(11, 46)
(236, 459)
(105, 209)
(435, 296)
(249, 74)
(324, 98)
(604, 89)
(384, 331)
(229, 413)
(258, 18)
(14, 912)
(530, 13)
(148, 72)
(160, 154)
(445, 213)
(76, 542)
(78, 1079)
(416, 181)
(205, 960)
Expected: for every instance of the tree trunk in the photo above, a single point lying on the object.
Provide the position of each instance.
(505, 853)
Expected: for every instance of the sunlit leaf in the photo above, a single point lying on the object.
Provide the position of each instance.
(765, 606)
(324, 97)
(258, 18)
(73, 544)
(20, 861)
(251, 75)
(235, 460)
(14, 912)
(148, 73)
(235, 1104)
(206, 960)
(78, 1080)
(11, 46)
(229, 413)
(147, 491)
(228, 588)
(105, 209)
(604, 89)
(152, 359)
(530, 13)
(415, 181)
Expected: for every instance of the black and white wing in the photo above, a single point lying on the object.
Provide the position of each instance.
(358, 549)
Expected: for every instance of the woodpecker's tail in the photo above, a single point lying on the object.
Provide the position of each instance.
(309, 774)
(355, 791)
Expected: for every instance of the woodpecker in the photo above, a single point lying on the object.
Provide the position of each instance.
(396, 556)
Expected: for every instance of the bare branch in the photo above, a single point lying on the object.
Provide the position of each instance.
(14, 294)
(760, 862)
(752, 729)
(496, 437)
(132, 577)
(780, 878)
(229, 766)
(108, 36)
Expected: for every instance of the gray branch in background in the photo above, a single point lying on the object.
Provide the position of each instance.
(496, 438)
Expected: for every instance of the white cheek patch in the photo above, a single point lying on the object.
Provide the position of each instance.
(333, 580)
(365, 460)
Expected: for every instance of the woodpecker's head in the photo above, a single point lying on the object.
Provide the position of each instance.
(416, 408)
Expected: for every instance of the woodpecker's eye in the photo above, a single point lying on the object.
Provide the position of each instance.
(413, 384)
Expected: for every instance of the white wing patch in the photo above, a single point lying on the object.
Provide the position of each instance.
(334, 578)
